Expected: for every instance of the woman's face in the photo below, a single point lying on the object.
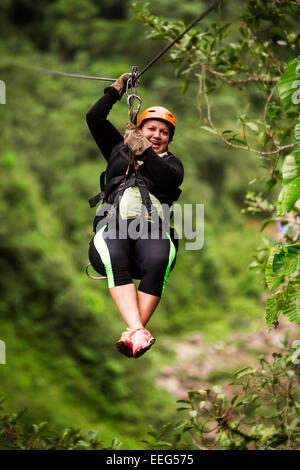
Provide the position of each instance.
(158, 133)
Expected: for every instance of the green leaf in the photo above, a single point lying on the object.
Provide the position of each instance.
(236, 140)
(91, 435)
(82, 443)
(35, 428)
(288, 82)
(115, 443)
(252, 126)
(180, 423)
(297, 131)
(255, 265)
(20, 413)
(291, 167)
(289, 194)
(265, 223)
(245, 371)
(42, 426)
(283, 261)
(263, 137)
(227, 131)
(270, 183)
(192, 393)
(291, 308)
(208, 129)
(230, 72)
(233, 400)
(184, 86)
(163, 444)
(285, 301)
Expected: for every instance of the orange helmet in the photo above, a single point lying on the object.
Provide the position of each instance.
(160, 113)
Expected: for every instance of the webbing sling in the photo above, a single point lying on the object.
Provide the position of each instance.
(105, 188)
(94, 200)
(135, 179)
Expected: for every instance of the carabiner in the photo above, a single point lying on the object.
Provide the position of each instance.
(130, 102)
(133, 83)
(95, 278)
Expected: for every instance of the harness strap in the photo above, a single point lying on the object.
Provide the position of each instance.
(140, 183)
(126, 183)
(94, 200)
(105, 189)
(122, 183)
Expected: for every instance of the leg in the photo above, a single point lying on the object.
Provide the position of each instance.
(125, 298)
(155, 259)
(113, 255)
(147, 304)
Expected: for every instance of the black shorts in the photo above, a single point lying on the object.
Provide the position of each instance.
(124, 254)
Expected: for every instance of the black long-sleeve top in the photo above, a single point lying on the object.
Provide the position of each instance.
(165, 172)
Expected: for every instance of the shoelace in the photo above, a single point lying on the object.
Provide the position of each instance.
(126, 334)
(140, 334)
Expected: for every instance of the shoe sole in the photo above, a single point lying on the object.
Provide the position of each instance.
(143, 350)
(124, 348)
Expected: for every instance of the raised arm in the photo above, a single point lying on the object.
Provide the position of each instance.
(104, 133)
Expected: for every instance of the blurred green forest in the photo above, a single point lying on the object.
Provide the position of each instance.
(59, 326)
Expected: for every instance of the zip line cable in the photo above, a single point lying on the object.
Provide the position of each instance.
(65, 74)
(160, 54)
(137, 74)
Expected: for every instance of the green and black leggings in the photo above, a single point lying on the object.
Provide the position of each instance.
(124, 258)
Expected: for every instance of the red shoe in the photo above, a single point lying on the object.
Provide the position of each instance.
(124, 343)
(141, 340)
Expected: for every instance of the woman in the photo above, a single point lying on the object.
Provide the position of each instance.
(138, 191)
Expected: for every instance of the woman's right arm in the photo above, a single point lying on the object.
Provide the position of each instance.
(104, 133)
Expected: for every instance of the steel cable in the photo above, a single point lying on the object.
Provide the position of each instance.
(65, 74)
(160, 54)
(155, 59)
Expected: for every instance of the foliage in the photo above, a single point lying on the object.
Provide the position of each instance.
(262, 412)
(255, 54)
(60, 327)
(15, 436)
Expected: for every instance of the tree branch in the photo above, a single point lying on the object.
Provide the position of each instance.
(278, 149)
